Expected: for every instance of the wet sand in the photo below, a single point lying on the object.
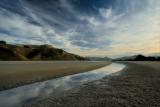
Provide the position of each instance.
(138, 85)
(17, 73)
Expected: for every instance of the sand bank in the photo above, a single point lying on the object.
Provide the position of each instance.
(17, 73)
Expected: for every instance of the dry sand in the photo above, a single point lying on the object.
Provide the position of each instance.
(138, 85)
(17, 73)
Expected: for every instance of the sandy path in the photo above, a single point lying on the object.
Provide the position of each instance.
(17, 73)
(137, 86)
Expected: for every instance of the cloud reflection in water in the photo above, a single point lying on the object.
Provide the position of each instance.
(18, 96)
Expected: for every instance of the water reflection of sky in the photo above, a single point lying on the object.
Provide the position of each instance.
(17, 96)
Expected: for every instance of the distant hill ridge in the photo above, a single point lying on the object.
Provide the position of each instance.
(34, 52)
(96, 58)
(139, 58)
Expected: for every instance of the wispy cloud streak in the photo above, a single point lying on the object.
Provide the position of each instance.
(112, 27)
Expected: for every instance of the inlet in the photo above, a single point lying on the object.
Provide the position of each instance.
(16, 97)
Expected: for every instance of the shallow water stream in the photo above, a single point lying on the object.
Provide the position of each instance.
(18, 96)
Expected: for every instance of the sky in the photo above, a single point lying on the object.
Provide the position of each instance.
(110, 28)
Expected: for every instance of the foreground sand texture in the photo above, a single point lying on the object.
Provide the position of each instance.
(17, 73)
(138, 85)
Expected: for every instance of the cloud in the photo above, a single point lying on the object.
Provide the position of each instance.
(113, 28)
(106, 13)
(14, 24)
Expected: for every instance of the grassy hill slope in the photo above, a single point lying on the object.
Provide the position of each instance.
(34, 52)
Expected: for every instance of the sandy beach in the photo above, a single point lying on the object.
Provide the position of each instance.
(136, 86)
(79, 53)
(17, 73)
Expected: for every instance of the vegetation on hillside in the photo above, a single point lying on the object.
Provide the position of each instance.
(34, 52)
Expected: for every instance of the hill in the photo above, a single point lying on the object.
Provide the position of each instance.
(94, 58)
(34, 52)
(139, 58)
